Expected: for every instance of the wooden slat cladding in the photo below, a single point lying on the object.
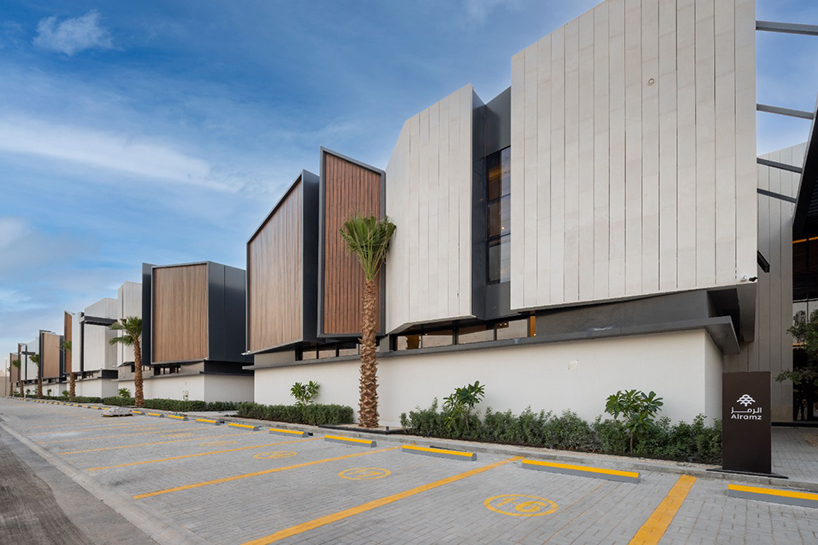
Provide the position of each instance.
(180, 313)
(275, 276)
(348, 189)
(50, 355)
(67, 336)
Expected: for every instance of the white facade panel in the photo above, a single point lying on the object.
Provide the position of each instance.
(428, 196)
(99, 353)
(650, 138)
(129, 299)
(104, 308)
(688, 377)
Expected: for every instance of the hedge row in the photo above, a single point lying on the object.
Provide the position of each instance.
(174, 405)
(315, 415)
(696, 442)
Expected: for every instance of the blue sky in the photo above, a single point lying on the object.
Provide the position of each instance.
(165, 131)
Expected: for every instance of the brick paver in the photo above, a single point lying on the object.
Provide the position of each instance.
(588, 510)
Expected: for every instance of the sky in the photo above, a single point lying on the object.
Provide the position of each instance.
(164, 132)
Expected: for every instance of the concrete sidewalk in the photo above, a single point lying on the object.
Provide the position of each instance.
(795, 453)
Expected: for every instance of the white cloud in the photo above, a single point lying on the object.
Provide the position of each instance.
(73, 35)
(107, 150)
(11, 230)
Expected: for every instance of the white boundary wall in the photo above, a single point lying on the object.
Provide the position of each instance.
(688, 377)
(199, 387)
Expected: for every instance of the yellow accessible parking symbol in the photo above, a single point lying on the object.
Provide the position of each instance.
(274, 455)
(364, 473)
(520, 505)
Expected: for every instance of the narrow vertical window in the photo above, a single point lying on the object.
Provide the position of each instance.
(498, 203)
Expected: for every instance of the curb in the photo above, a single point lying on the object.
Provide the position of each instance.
(351, 441)
(773, 495)
(297, 433)
(582, 471)
(208, 421)
(439, 452)
(243, 426)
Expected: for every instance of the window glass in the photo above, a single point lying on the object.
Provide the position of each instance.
(498, 169)
(500, 260)
(438, 338)
(407, 342)
(348, 349)
(475, 334)
(327, 351)
(500, 217)
(513, 329)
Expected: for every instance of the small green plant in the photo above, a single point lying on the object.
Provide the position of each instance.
(123, 393)
(48, 392)
(459, 405)
(638, 411)
(304, 394)
(65, 394)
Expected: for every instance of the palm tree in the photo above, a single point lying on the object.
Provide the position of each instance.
(35, 359)
(368, 238)
(16, 365)
(72, 377)
(132, 329)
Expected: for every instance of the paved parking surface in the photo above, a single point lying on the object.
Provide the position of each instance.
(225, 486)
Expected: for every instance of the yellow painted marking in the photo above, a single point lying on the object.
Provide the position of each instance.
(774, 492)
(346, 513)
(234, 425)
(175, 435)
(352, 439)
(137, 412)
(175, 416)
(438, 450)
(104, 437)
(256, 473)
(274, 455)
(147, 444)
(218, 443)
(582, 468)
(520, 505)
(194, 455)
(279, 430)
(657, 524)
(364, 473)
(154, 414)
(207, 421)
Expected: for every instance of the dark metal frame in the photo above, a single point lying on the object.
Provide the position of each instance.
(321, 215)
(809, 177)
(784, 111)
(787, 28)
(309, 270)
(781, 166)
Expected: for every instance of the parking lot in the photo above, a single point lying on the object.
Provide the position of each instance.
(230, 485)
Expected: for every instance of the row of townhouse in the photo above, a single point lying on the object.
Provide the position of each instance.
(602, 224)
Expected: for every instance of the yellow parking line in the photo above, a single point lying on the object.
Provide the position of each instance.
(657, 524)
(177, 430)
(200, 454)
(153, 443)
(73, 421)
(256, 474)
(346, 513)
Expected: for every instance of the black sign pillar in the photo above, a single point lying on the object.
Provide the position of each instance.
(747, 427)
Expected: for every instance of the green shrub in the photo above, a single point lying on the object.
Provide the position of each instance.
(308, 414)
(177, 405)
(304, 394)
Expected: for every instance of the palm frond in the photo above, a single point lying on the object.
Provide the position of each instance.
(368, 238)
(131, 328)
(15, 363)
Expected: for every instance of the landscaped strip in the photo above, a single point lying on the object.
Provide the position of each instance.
(773, 495)
(440, 453)
(583, 471)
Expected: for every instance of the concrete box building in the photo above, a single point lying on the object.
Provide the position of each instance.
(595, 227)
(193, 323)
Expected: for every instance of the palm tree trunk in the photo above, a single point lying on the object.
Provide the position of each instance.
(39, 387)
(72, 386)
(368, 408)
(137, 374)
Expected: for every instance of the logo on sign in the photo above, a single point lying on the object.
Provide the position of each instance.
(747, 413)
